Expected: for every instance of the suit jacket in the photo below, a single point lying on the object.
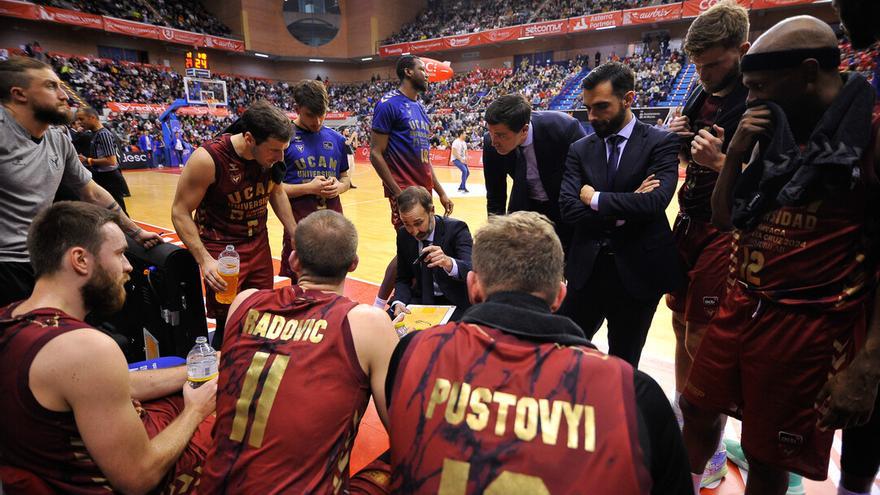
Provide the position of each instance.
(553, 133)
(454, 237)
(644, 250)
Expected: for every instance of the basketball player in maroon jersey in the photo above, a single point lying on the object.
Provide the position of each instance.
(228, 182)
(514, 399)
(66, 397)
(298, 368)
(797, 305)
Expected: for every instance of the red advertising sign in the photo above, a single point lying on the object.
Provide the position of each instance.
(130, 28)
(649, 15)
(443, 111)
(693, 8)
(548, 28)
(135, 107)
(22, 10)
(182, 37)
(772, 4)
(595, 21)
(194, 111)
(440, 158)
(71, 17)
(431, 45)
(337, 115)
(227, 44)
(462, 40)
(503, 34)
(393, 50)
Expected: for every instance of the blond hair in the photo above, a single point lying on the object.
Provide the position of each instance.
(519, 252)
(725, 24)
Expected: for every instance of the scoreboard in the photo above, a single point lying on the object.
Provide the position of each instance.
(196, 64)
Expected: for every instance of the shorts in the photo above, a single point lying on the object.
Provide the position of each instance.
(255, 271)
(373, 479)
(184, 477)
(705, 251)
(765, 364)
(395, 215)
(302, 207)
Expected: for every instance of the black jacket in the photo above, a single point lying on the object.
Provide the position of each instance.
(454, 237)
(553, 133)
(645, 252)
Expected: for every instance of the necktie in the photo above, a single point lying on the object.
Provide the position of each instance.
(613, 156)
(427, 279)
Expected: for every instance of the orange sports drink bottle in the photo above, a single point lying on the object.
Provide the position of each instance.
(228, 265)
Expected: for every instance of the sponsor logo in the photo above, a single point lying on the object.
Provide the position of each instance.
(710, 304)
(654, 13)
(456, 42)
(499, 35)
(300, 147)
(235, 178)
(167, 34)
(328, 145)
(393, 50)
(790, 442)
(544, 29)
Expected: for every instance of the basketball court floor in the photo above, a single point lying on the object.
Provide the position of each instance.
(150, 204)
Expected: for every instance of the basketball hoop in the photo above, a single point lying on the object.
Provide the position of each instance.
(212, 105)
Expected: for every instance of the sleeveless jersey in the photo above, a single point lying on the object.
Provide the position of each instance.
(309, 155)
(814, 254)
(408, 154)
(290, 397)
(473, 408)
(46, 443)
(235, 205)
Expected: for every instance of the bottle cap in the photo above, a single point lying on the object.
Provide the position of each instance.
(201, 340)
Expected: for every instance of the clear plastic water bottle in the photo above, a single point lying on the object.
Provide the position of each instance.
(401, 329)
(228, 265)
(201, 363)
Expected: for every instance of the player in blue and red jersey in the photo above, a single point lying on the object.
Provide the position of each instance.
(317, 165)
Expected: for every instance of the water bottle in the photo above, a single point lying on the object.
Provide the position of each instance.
(201, 363)
(228, 265)
(401, 329)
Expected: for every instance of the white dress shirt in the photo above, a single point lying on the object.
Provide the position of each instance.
(625, 133)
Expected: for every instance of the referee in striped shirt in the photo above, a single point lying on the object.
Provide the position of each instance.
(102, 157)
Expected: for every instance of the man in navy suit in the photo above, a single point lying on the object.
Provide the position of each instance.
(530, 147)
(146, 144)
(439, 277)
(615, 190)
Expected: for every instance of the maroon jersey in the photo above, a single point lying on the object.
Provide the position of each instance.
(811, 254)
(46, 443)
(235, 205)
(472, 409)
(695, 195)
(291, 396)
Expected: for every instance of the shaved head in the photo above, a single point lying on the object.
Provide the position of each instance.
(803, 31)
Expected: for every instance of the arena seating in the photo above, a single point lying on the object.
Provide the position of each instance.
(451, 17)
(189, 16)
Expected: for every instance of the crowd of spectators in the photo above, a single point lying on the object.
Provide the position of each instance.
(450, 17)
(180, 14)
(862, 61)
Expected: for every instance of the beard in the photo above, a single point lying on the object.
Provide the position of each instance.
(53, 114)
(421, 86)
(605, 128)
(102, 295)
(728, 80)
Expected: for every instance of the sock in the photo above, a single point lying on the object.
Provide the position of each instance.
(380, 303)
(843, 491)
(697, 478)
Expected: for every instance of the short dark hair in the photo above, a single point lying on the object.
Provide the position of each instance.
(264, 120)
(403, 63)
(326, 245)
(622, 78)
(13, 74)
(512, 110)
(64, 225)
(311, 94)
(412, 196)
(88, 111)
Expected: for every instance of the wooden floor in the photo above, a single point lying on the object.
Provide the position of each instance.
(153, 191)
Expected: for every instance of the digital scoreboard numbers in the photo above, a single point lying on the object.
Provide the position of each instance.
(196, 64)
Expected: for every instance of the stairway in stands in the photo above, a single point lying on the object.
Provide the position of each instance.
(570, 96)
(80, 103)
(682, 85)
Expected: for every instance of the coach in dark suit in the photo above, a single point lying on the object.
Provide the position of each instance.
(530, 147)
(440, 278)
(615, 190)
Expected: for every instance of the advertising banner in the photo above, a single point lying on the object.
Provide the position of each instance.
(63, 16)
(22, 10)
(595, 21)
(772, 4)
(503, 34)
(130, 28)
(693, 8)
(182, 37)
(548, 28)
(227, 44)
(393, 50)
(650, 15)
